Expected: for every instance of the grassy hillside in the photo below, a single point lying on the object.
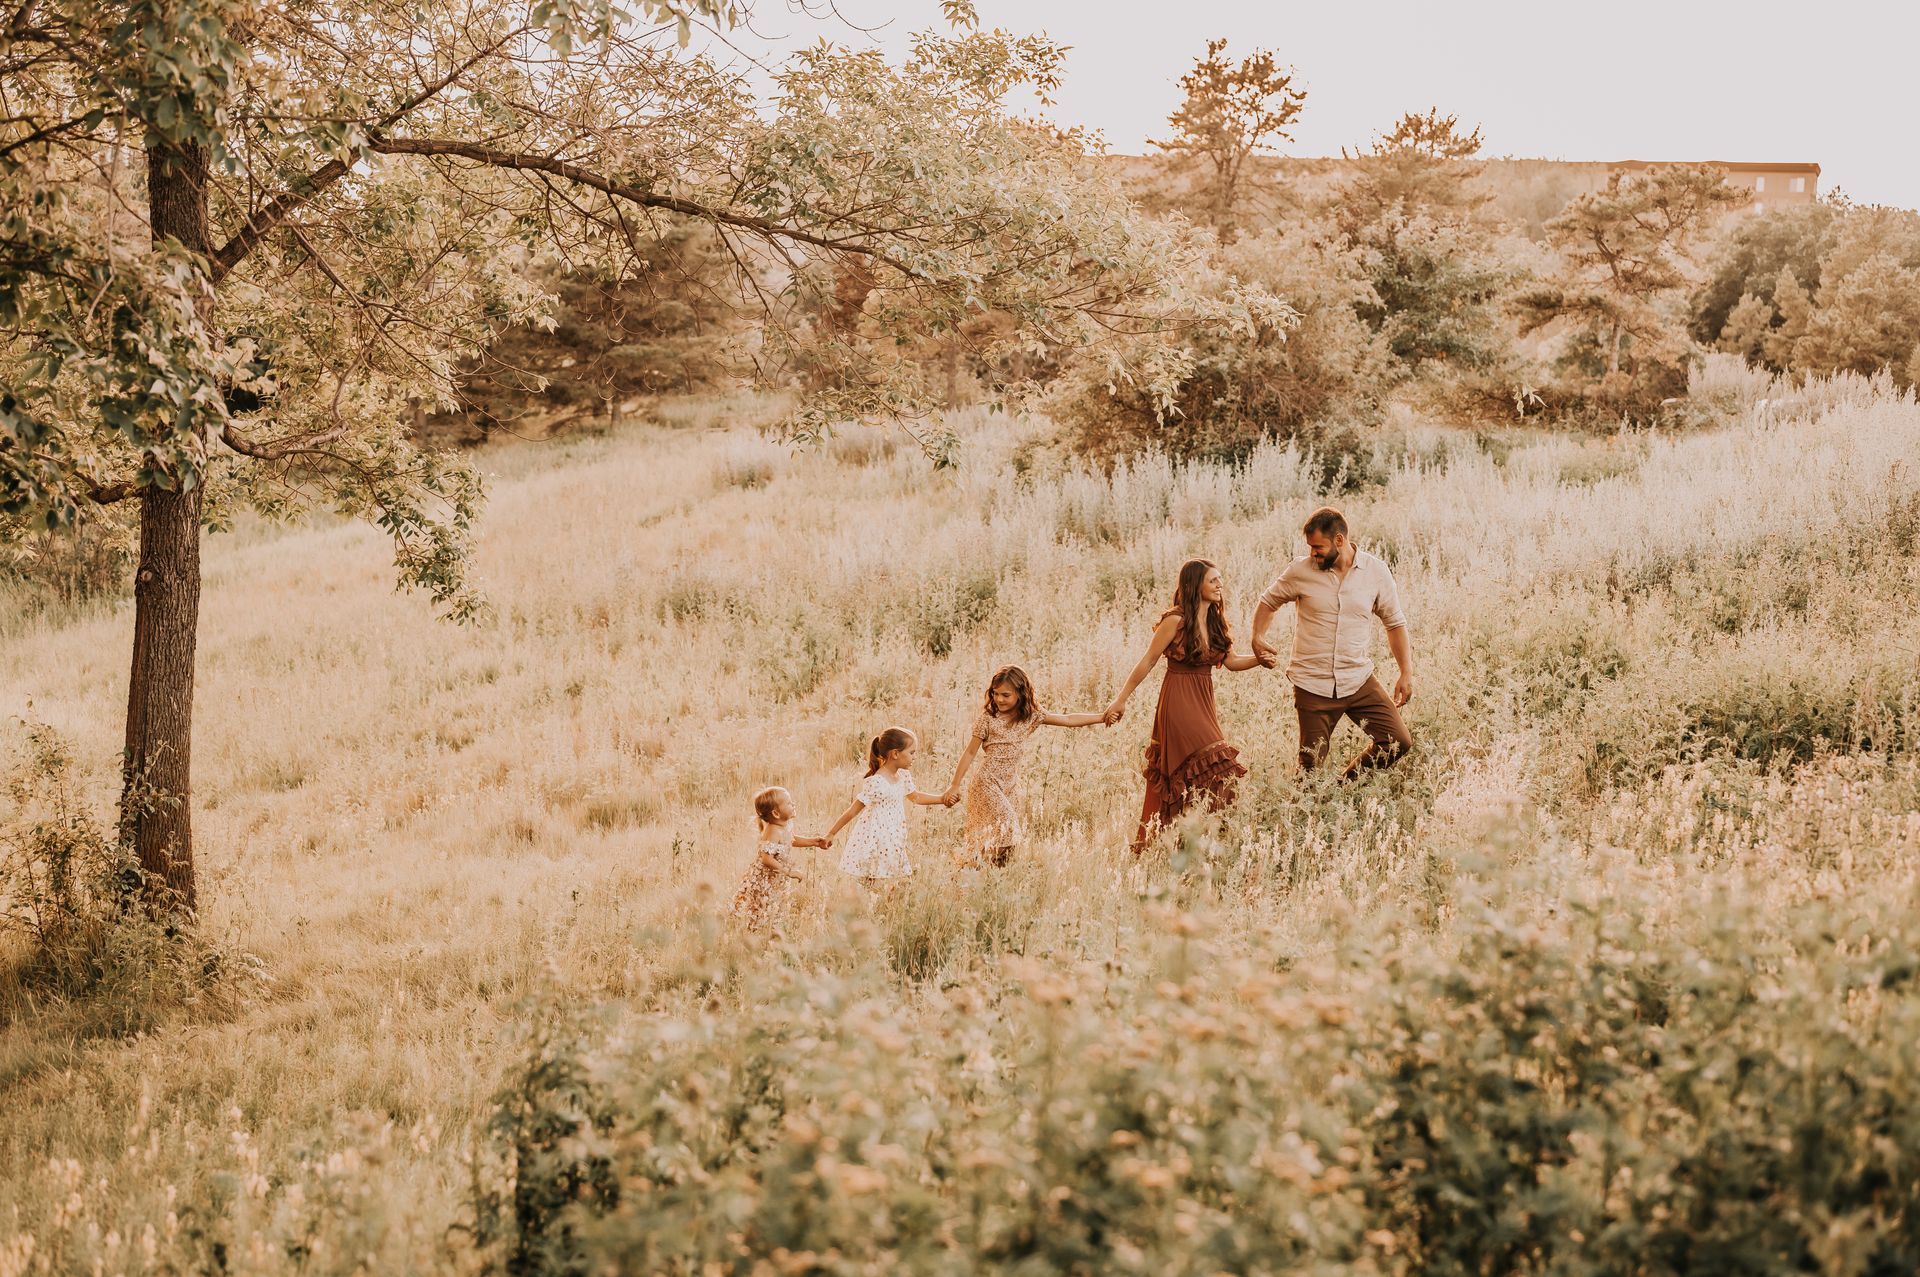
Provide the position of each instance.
(1666, 706)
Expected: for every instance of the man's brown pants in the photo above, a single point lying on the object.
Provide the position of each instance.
(1371, 708)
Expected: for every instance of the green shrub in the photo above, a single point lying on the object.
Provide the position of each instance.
(547, 1132)
(78, 943)
(1590, 1092)
(1577, 1085)
(951, 607)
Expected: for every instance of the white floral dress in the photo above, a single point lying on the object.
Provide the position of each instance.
(877, 845)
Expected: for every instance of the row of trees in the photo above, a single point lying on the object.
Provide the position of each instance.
(1405, 277)
(1411, 284)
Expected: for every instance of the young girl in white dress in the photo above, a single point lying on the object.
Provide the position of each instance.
(877, 847)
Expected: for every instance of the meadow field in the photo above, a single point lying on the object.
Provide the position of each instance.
(1614, 974)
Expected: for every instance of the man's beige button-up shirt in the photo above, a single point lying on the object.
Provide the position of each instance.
(1333, 621)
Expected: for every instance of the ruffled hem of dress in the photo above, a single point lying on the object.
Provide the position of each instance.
(1205, 768)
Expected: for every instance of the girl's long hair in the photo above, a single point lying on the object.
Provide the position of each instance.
(1198, 641)
(1025, 705)
(885, 743)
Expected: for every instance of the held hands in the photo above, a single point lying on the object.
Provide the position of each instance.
(1267, 655)
(951, 797)
(1114, 713)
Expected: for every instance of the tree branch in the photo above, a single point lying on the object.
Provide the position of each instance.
(636, 195)
(280, 451)
(109, 493)
(283, 206)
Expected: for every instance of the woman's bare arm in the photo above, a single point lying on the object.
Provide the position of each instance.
(1244, 661)
(1162, 635)
(1071, 720)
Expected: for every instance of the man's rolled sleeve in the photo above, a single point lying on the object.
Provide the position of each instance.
(1386, 604)
(1279, 594)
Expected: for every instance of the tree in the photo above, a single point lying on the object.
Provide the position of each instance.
(1623, 278)
(668, 323)
(1229, 112)
(1821, 289)
(1411, 210)
(238, 241)
(1750, 257)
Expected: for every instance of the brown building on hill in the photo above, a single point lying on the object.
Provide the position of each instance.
(1772, 184)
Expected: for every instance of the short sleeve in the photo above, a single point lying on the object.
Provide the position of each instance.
(872, 790)
(1386, 601)
(1280, 593)
(980, 730)
(906, 781)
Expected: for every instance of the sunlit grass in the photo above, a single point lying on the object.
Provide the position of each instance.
(1694, 651)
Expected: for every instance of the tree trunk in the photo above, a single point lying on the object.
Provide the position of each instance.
(156, 813)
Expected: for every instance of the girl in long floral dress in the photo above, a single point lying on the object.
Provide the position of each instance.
(764, 891)
(1012, 715)
(877, 848)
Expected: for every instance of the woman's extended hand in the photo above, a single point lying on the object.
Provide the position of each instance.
(1114, 713)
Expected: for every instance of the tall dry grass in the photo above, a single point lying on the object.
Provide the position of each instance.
(1694, 652)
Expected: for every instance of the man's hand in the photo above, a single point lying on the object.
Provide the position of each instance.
(1403, 689)
(1268, 654)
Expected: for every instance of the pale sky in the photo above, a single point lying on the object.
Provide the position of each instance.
(1832, 82)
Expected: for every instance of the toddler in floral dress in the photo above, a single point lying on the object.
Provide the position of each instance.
(1012, 715)
(877, 847)
(764, 891)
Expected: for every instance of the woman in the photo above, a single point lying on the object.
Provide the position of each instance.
(1188, 760)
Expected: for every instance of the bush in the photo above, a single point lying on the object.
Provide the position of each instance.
(1579, 1085)
(548, 1127)
(76, 937)
(1586, 1091)
(1225, 390)
(75, 565)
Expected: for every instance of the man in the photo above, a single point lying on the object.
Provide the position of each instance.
(1333, 590)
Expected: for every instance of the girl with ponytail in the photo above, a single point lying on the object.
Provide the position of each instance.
(877, 847)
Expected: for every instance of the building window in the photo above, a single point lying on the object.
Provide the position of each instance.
(1799, 186)
(1760, 183)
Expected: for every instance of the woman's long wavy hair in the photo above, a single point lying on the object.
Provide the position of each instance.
(1199, 640)
(1025, 705)
(885, 743)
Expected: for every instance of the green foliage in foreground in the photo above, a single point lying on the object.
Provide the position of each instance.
(1576, 1087)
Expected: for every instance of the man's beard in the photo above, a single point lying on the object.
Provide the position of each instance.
(1329, 561)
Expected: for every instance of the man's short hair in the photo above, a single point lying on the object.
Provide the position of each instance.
(1327, 521)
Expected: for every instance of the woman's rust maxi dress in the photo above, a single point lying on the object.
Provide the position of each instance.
(1188, 760)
